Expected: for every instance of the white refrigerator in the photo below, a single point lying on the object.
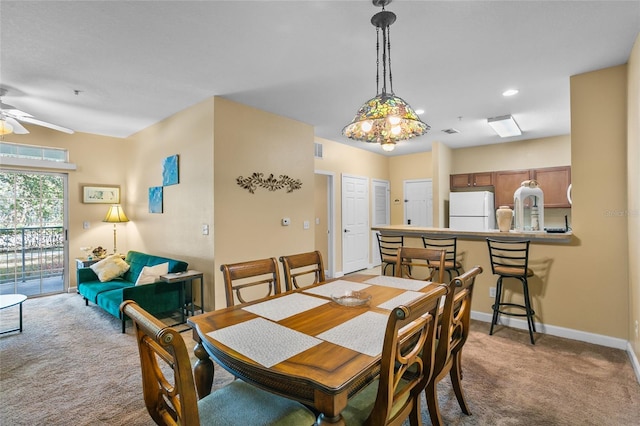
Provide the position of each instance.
(472, 211)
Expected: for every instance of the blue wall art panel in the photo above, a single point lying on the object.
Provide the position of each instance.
(155, 199)
(170, 174)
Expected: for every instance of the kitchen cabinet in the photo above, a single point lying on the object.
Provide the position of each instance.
(470, 180)
(554, 182)
(506, 182)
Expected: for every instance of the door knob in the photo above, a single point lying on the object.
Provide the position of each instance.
(346, 230)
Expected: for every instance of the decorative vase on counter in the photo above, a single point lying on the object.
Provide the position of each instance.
(504, 216)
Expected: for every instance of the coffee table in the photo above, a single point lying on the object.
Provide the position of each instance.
(8, 300)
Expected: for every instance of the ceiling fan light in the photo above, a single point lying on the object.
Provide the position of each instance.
(5, 128)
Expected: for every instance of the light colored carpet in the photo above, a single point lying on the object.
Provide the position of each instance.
(72, 366)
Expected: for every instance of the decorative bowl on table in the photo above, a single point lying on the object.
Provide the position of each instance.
(352, 298)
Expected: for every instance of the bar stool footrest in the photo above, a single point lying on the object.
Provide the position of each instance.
(497, 307)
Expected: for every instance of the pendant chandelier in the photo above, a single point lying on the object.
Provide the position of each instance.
(387, 118)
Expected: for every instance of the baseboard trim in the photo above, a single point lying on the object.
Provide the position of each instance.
(72, 290)
(634, 361)
(567, 333)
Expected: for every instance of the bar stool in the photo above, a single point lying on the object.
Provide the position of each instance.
(449, 244)
(509, 259)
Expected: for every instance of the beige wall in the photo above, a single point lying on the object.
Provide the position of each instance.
(442, 161)
(341, 158)
(527, 154)
(599, 263)
(406, 167)
(321, 228)
(99, 161)
(177, 232)
(248, 226)
(633, 192)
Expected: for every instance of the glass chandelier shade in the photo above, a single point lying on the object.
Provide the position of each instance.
(386, 118)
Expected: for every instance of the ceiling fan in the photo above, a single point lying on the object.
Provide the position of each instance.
(10, 118)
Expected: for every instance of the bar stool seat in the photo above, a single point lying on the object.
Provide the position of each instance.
(509, 259)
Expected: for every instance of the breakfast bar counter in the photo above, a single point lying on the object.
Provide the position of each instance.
(417, 231)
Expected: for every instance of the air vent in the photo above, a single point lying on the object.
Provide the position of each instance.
(451, 131)
(317, 150)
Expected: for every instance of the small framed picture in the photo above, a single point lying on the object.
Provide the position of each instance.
(155, 199)
(101, 194)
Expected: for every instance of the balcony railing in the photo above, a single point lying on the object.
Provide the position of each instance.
(31, 253)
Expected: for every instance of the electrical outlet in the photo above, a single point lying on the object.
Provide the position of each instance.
(492, 292)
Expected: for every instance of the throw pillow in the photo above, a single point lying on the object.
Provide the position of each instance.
(110, 267)
(151, 274)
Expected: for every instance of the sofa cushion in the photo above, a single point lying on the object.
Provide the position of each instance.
(110, 267)
(91, 289)
(151, 274)
(137, 261)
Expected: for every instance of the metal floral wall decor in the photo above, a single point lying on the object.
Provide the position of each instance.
(256, 180)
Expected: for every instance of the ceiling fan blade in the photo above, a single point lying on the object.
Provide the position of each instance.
(18, 128)
(32, 120)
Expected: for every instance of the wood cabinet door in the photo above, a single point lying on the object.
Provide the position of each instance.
(483, 179)
(460, 181)
(554, 182)
(506, 182)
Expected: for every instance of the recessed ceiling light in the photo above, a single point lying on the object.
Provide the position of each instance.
(510, 92)
(419, 111)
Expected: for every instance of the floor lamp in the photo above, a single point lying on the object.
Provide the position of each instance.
(115, 215)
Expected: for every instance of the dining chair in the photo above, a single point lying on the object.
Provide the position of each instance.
(169, 390)
(388, 246)
(455, 320)
(510, 259)
(450, 245)
(303, 264)
(254, 274)
(409, 345)
(410, 260)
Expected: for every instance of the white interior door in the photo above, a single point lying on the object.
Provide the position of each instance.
(418, 202)
(355, 223)
(380, 205)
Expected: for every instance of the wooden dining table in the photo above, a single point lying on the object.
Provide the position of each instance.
(302, 344)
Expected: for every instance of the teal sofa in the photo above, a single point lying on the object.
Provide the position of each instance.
(155, 298)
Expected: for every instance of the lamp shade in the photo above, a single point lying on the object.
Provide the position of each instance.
(115, 214)
(383, 119)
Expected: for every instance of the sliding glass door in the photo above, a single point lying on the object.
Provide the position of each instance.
(32, 232)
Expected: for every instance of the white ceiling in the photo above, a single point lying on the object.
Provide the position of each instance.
(137, 62)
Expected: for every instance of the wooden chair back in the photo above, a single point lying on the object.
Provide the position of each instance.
(449, 244)
(297, 265)
(239, 277)
(170, 399)
(407, 359)
(388, 246)
(455, 320)
(413, 259)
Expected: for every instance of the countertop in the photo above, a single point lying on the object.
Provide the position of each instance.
(539, 236)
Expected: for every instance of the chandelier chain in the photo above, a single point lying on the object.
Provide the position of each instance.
(377, 60)
(389, 57)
